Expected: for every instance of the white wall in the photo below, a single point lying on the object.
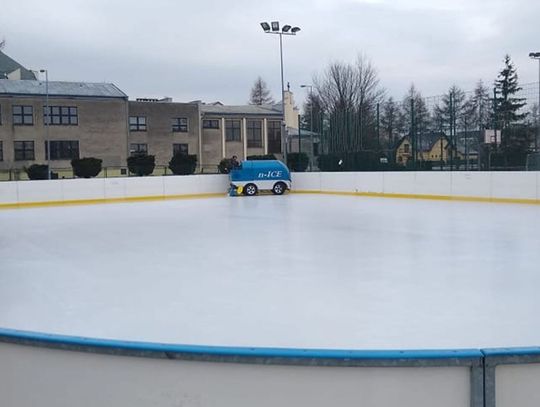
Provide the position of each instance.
(517, 385)
(13, 192)
(34, 376)
(487, 185)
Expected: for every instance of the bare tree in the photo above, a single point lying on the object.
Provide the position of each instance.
(390, 121)
(260, 94)
(2, 43)
(349, 94)
(480, 105)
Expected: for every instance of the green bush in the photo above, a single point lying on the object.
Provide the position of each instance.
(225, 166)
(86, 167)
(141, 165)
(183, 164)
(261, 157)
(37, 171)
(297, 162)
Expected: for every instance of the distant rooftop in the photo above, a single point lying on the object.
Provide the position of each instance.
(243, 109)
(9, 65)
(31, 88)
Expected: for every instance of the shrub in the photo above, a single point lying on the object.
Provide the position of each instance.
(141, 165)
(183, 164)
(297, 161)
(86, 167)
(261, 157)
(225, 166)
(37, 171)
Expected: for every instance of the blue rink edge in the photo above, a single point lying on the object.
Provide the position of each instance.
(14, 336)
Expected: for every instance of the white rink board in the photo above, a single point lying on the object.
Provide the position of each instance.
(46, 377)
(39, 191)
(482, 185)
(517, 385)
(73, 189)
(524, 186)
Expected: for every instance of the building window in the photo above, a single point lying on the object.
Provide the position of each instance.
(254, 133)
(23, 115)
(61, 115)
(137, 123)
(232, 130)
(180, 125)
(180, 149)
(24, 150)
(138, 149)
(1, 151)
(210, 124)
(274, 137)
(62, 150)
(405, 148)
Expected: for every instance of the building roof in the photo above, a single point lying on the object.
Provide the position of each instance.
(262, 110)
(81, 89)
(8, 65)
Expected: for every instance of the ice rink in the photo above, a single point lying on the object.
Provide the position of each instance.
(305, 271)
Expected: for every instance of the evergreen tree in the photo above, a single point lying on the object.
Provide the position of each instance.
(260, 94)
(507, 104)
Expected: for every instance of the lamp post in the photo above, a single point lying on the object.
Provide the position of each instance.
(47, 122)
(273, 28)
(536, 55)
(312, 155)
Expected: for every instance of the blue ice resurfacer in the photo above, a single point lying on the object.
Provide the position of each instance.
(254, 175)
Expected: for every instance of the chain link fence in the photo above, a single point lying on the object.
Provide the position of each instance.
(460, 130)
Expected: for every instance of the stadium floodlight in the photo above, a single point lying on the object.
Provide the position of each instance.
(285, 30)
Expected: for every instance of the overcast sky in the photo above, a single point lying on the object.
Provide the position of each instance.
(214, 50)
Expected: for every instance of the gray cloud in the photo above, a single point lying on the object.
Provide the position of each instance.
(214, 50)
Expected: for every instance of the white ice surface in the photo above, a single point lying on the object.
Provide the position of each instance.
(303, 271)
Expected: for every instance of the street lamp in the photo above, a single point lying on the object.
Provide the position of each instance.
(310, 124)
(47, 120)
(536, 55)
(273, 28)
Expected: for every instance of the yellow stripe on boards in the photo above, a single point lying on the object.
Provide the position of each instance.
(217, 195)
(421, 196)
(42, 204)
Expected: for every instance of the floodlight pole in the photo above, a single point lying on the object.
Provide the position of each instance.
(47, 120)
(536, 55)
(284, 31)
(283, 123)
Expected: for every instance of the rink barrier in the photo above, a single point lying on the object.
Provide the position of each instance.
(453, 377)
(501, 377)
(496, 187)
